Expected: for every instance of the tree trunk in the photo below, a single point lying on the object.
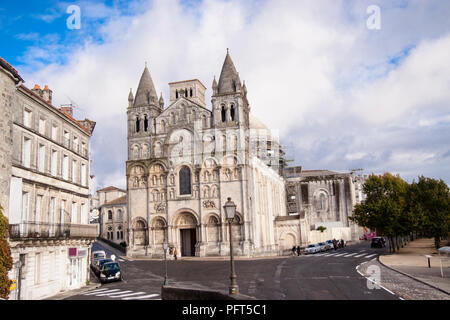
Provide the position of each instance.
(437, 242)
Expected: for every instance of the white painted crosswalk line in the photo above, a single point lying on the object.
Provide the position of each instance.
(101, 294)
(94, 293)
(129, 294)
(351, 254)
(143, 297)
(360, 255)
(371, 255)
(340, 254)
(119, 293)
(332, 254)
(97, 290)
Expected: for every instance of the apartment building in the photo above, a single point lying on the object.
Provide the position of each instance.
(48, 196)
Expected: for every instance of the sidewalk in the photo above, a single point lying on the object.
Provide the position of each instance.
(69, 293)
(411, 261)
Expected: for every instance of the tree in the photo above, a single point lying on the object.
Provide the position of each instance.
(321, 228)
(384, 209)
(430, 204)
(6, 261)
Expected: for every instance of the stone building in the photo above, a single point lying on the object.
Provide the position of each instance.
(46, 201)
(321, 198)
(186, 159)
(113, 214)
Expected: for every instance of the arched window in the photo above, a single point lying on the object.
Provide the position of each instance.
(145, 123)
(176, 94)
(185, 180)
(190, 92)
(232, 113)
(110, 215)
(120, 214)
(224, 114)
(322, 202)
(185, 92)
(138, 124)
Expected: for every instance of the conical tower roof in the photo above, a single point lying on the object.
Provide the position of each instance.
(146, 93)
(229, 80)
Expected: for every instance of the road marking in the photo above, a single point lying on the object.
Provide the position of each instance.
(143, 297)
(121, 260)
(97, 290)
(94, 293)
(101, 294)
(340, 254)
(129, 294)
(360, 255)
(351, 254)
(331, 254)
(371, 255)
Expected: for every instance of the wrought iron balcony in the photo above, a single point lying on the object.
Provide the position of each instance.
(42, 230)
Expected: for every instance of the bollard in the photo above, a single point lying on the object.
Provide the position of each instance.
(429, 265)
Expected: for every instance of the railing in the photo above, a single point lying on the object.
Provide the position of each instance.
(42, 230)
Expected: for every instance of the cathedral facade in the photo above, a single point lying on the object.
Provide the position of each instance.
(186, 159)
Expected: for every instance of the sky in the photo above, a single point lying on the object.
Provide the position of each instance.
(345, 84)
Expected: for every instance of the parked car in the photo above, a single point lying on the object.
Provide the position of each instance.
(99, 264)
(312, 248)
(324, 246)
(330, 243)
(110, 271)
(97, 255)
(378, 242)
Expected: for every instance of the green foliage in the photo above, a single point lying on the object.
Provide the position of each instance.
(6, 261)
(430, 204)
(321, 228)
(395, 208)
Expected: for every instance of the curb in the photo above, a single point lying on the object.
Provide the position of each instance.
(378, 284)
(410, 276)
(70, 293)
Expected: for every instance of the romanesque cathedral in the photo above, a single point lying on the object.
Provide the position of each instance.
(186, 158)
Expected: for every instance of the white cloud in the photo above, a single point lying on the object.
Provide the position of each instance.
(312, 69)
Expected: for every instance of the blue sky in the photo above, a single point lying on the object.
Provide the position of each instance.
(340, 95)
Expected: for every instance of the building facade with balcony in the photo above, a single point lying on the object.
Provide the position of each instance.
(48, 196)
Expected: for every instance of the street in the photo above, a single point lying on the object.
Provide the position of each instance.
(330, 275)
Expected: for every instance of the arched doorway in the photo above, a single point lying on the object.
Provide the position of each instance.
(187, 226)
(139, 233)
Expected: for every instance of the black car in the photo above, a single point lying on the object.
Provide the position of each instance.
(99, 264)
(377, 242)
(110, 271)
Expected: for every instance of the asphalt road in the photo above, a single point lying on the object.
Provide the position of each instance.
(330, 275)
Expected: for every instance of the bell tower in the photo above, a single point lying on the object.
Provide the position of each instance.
(142, 110)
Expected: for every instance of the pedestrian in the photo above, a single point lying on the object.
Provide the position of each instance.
(342, 243)
(334, 244)
(298, 251)
(293, 250)
(175, 252)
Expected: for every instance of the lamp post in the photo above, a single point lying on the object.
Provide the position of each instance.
(230, 210)
(165, 246)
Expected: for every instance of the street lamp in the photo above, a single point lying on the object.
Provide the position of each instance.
(165, 246)
(230, 211)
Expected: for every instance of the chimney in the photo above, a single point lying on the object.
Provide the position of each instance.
(47, 94)
(37, 90)
(67, 109)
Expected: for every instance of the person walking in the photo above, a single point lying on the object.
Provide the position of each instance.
(335, 244)
(298, 251)
(342, 243)
(175, 252)
(293, 250)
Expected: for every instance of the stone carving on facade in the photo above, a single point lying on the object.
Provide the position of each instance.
(160, 207)
(209, 204)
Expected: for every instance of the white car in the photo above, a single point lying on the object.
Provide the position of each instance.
(312, 248)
